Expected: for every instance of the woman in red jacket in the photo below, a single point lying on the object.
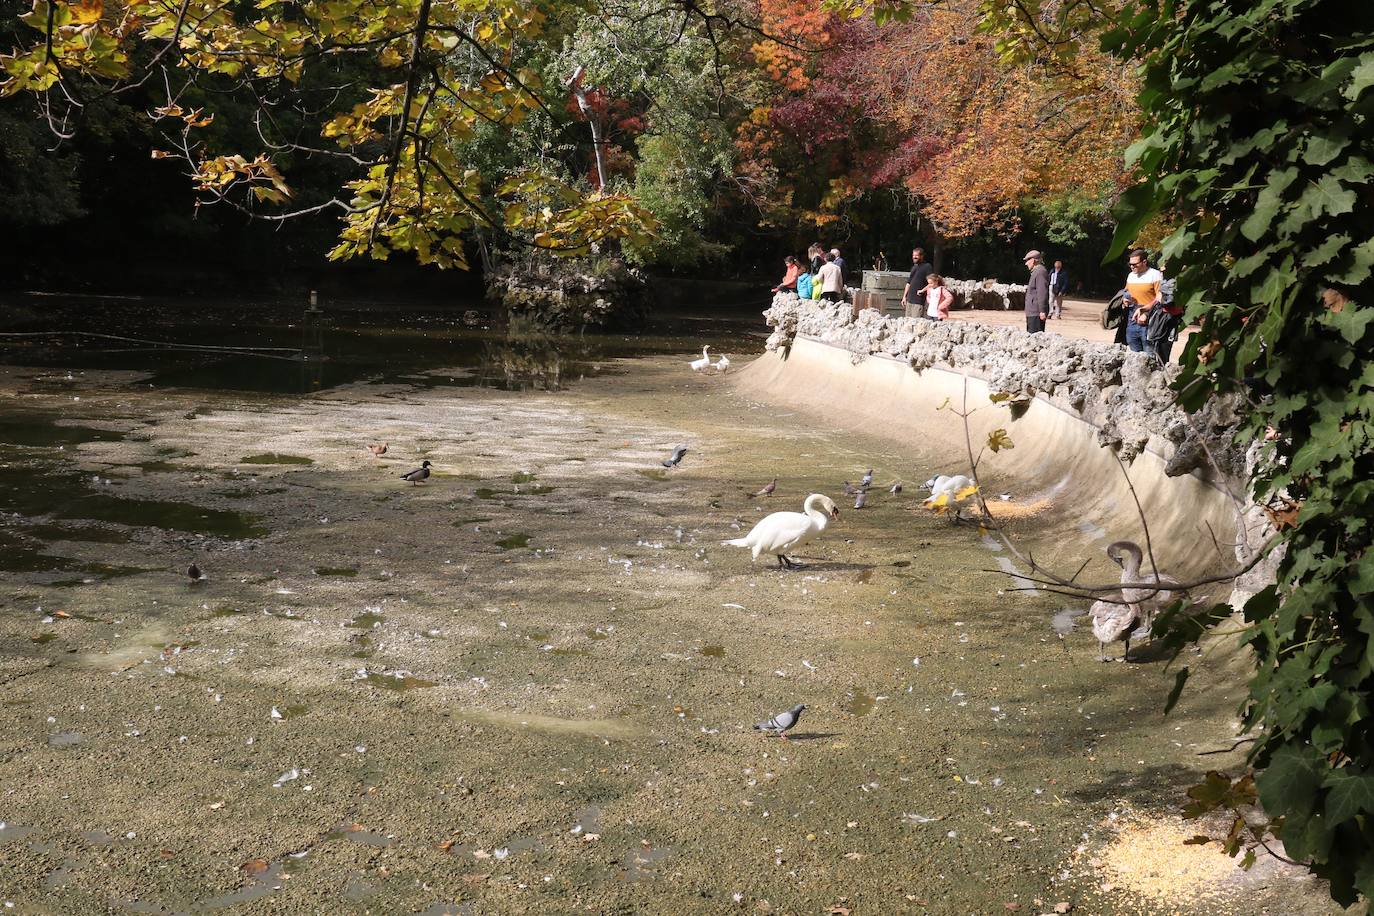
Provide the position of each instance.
(789, 280)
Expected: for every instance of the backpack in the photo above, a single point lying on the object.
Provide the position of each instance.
(804, 286)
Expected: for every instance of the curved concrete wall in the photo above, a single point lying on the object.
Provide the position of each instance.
(1059, 454)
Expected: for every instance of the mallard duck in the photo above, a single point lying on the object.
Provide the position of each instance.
(419, 474)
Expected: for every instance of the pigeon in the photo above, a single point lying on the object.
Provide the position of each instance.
(417, 475)
(766, 491)
(678, 454)
(868, 480)
(782, 722)
(849, 489)
(378, 450)
(860, 498)
(896, 487)
(722, 364)
(194, 574)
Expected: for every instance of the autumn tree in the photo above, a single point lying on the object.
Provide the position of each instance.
(394, 91)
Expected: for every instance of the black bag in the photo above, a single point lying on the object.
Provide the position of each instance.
(1160, 325)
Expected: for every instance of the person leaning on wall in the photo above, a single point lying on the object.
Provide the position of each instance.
(789, 279)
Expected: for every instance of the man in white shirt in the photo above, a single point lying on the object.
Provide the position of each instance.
(832, 280)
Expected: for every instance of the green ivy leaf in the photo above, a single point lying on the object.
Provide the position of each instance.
(1268, 204)
(1351, 794)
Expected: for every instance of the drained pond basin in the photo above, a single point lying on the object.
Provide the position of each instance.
(527, 684)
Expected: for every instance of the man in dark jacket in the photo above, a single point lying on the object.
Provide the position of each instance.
(1059, 285)
(1037, 293)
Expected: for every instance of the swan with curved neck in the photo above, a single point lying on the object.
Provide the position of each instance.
(781, 532)
(1113, 620)
(1128, 555)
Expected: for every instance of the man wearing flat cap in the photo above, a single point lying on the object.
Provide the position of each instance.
(1037, 293)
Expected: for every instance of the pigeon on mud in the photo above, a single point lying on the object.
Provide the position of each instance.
(896, 487)
(194, 574)
(782, 722)
(722, 364)
(850, 489)
(860, 499)
(868, 480)
(674, 459)
(766, 491)
(379, 449)
(419, 474)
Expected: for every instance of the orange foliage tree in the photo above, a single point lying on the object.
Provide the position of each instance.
(933, 107)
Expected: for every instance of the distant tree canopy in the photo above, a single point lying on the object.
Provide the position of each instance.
(426, 124)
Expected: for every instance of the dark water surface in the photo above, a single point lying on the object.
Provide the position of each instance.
(258, 350)
(282, 348)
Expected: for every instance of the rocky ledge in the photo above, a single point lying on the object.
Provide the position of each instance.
(1124, 396)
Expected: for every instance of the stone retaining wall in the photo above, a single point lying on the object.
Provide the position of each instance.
(1121, 394)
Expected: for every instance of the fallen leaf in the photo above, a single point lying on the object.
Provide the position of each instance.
(590, 837)
(445, 846)
(216, 806)
(838, 910)
(167, 853)
(763, 906)
(854, 855)
(1012, 906)
(1063, 906)
(63, 614)
(254, 867)
(481, 854)
(476, 878)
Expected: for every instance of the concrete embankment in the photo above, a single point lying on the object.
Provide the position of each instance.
(1076, 408)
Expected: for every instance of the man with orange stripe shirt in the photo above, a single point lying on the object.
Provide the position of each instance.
(1143, 284)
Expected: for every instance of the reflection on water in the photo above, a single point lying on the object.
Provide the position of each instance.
(284, 349)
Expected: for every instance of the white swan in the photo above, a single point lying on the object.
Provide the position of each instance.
(782, 531)
(1128, 555)
(699, 364)
(723, 364)
(1112, 621)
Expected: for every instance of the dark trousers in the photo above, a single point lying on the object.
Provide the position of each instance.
(830, 297)
(1034, 324)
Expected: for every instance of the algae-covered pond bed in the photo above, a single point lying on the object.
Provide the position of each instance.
(529, 684)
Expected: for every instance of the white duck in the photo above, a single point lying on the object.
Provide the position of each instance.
(782, 531)
(1128, 555)
(949, 487)
(699, 364)
(722, 364)
(1113, 620)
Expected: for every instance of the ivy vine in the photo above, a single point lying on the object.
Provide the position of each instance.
(1258, 143)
